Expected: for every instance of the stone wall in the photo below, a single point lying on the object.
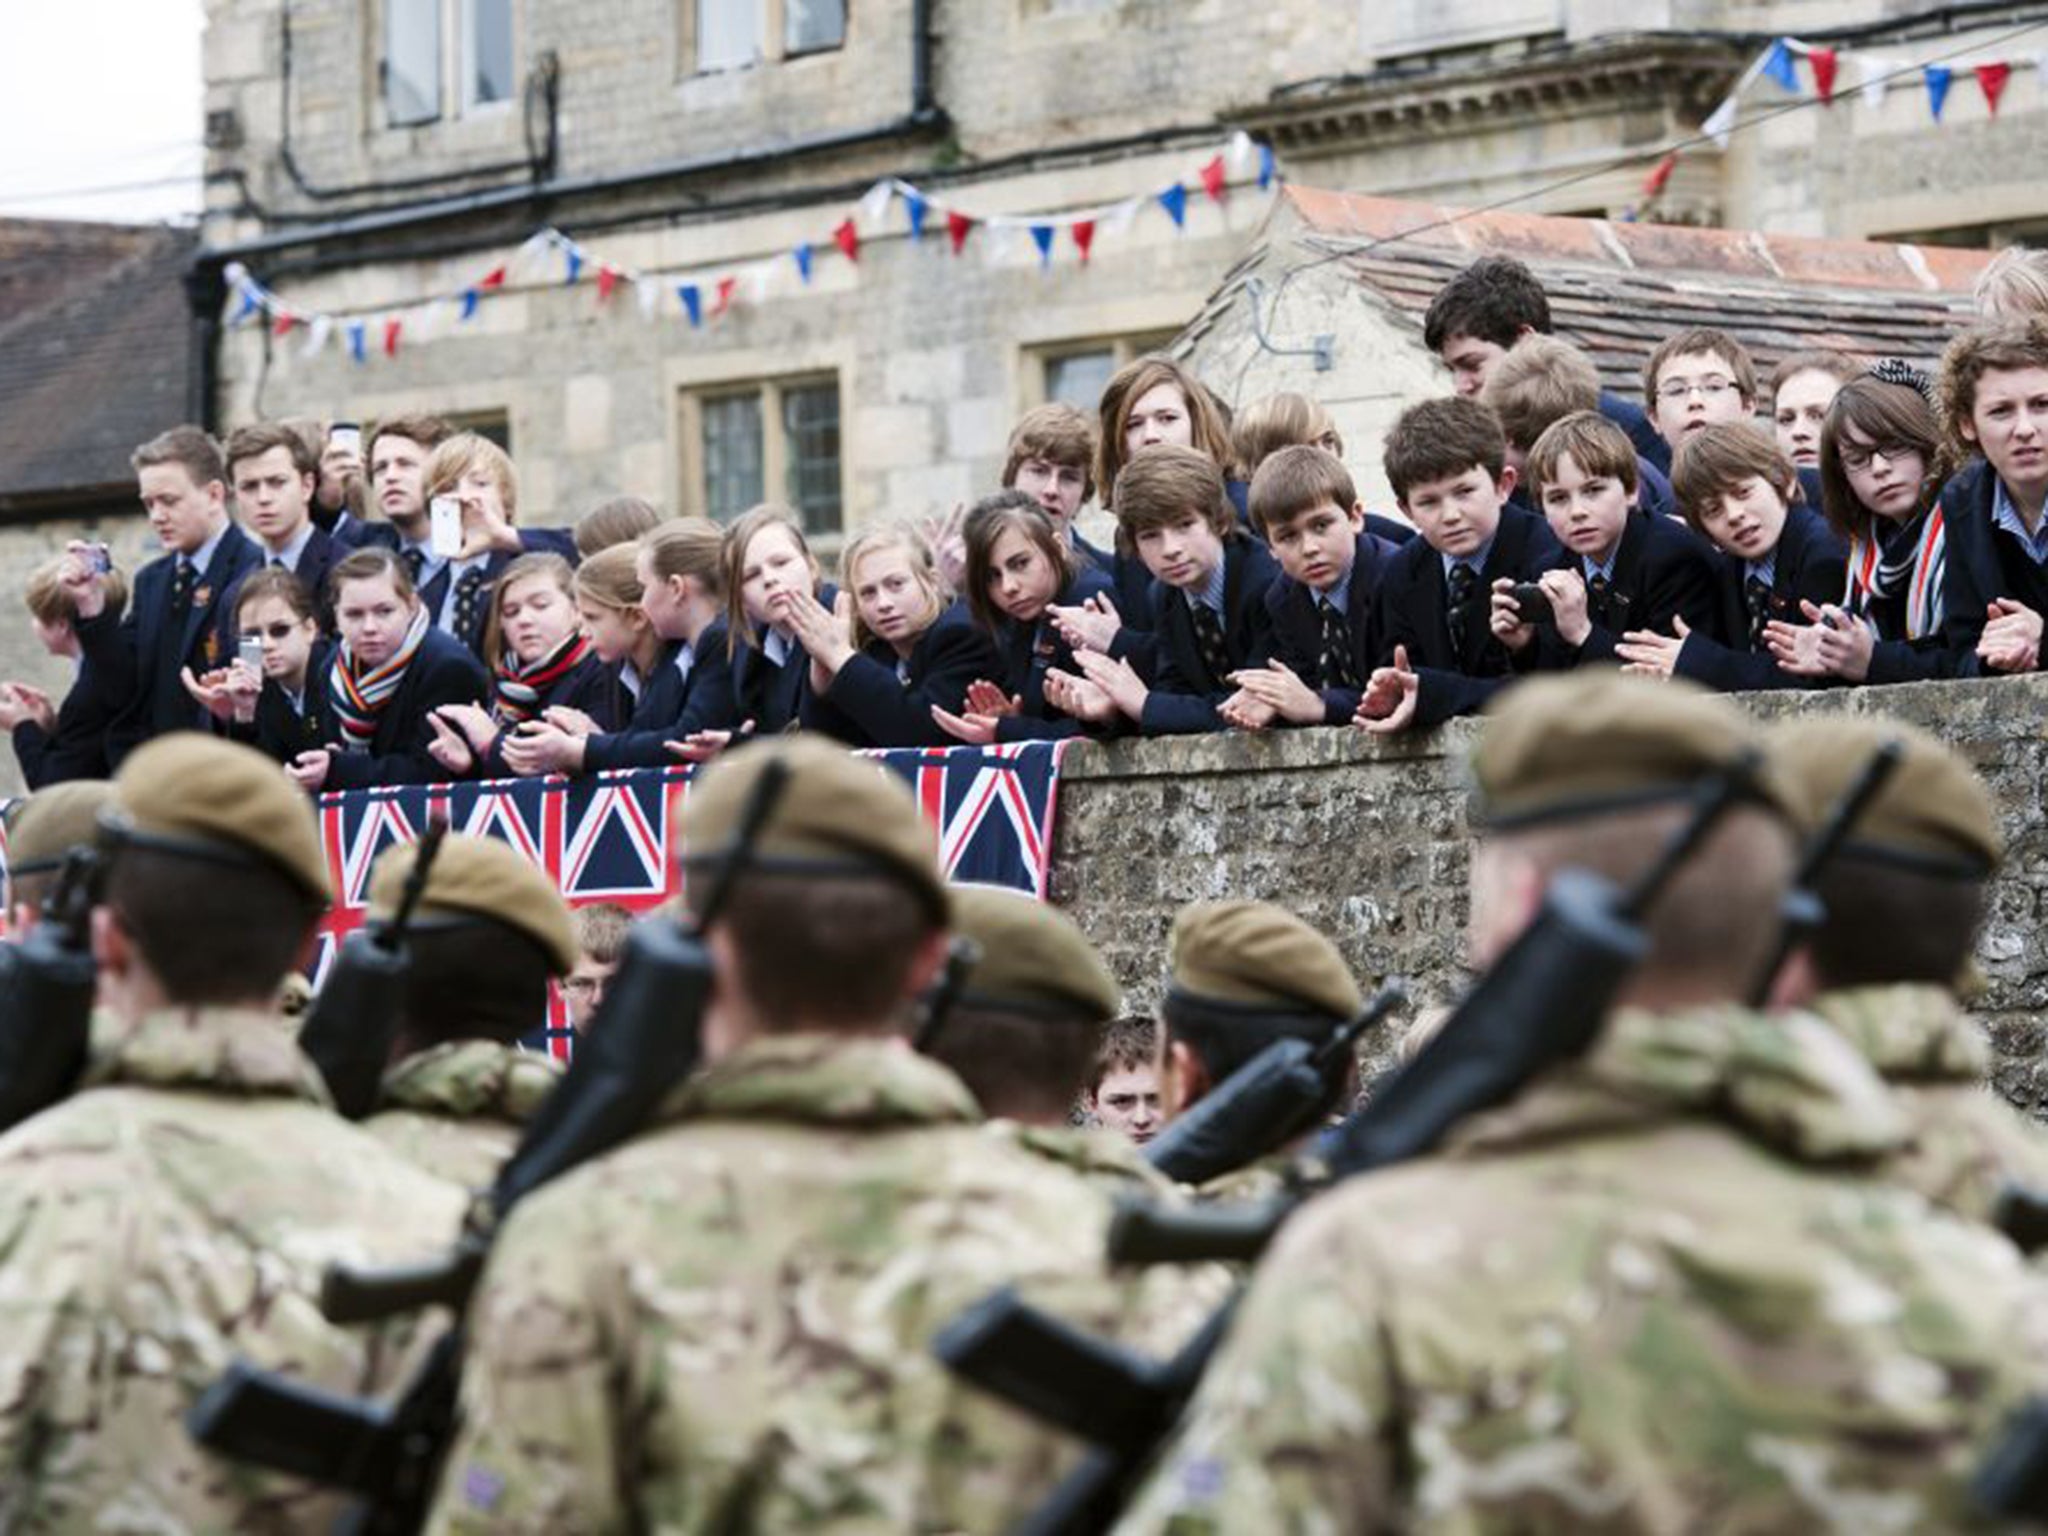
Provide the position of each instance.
(1368, 840)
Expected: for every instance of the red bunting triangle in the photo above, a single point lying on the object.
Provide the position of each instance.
(1660, 174)
(724, 292)
(282, 325)
(957, 226)
(1212, 178)
(847, 238)
(607, 280)
(495, 278)
(391, 330)
(1992, 78)
(1084, 237)
(1824, 62)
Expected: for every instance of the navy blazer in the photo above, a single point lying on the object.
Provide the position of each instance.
(1975, 573)
(1029, 653)
(283, 732)
(136, 660)
(1296, 613)
(1184, 696)
(442, 672)
(772, 697)
(1662, 571)
(671, 707)
(76, 745)
(1414, 602)
(1635, 421)
(1813, 564)
(869, 705)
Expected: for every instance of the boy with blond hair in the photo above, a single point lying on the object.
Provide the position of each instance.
(1544, 379)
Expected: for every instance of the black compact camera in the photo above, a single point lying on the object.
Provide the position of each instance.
(1532, 603)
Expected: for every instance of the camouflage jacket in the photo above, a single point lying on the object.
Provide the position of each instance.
(1639, 1298)
(456, 1110)
(725, 1324)
(176, 1212)
(1965, 1142)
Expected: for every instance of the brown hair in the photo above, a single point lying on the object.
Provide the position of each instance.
(1542, 379)
(1839, 366)
(1020, 1064)
(1714, 461)
(601, 931)
(464, 452)
(428, 431)
(521, 569)
(1993, 346)
(210, 932)
(739, 533)
(275, 582)
(811, 952)
(1885, 415)
(618, 521)
(1059, 434)
(1164, 483)
(1440, 439)
(688, 546)
(187, 447)
(50, 601)
(1127, 1043)
(923, 567)
(1701, 338)
(611, 578)
(1279, 421)
(1130, 384)
(987, 521)
(368, 565)
(1595, 444)
(253, 441)
(2013, 283)
(1296, 480)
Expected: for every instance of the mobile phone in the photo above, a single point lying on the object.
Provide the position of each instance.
(250, 652)
(445, 533)
(1532, 603)
(102, 561)
(345, 434)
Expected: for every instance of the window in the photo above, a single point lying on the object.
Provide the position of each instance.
(777, 440)
(425, 39)
(493, 425)
(1076, 373)
(732, 34)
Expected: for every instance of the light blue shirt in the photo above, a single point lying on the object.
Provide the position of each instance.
(292, 553)
(1339, 596)
(1475, 562)
(2005, 514)
(776, 646)
(1764, 570)
(202, 557)
(1211, 595)
(1604, 569)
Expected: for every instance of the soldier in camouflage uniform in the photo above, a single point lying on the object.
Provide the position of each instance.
(1651, 1293)
(489, 931)
(40, 831)
(725, 1324)
(179, 1209)
(1904, 900)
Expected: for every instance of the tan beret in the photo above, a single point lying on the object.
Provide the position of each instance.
(1254, 953)
(1031, 954)
(1932, 806)
(51, 822)
(216, 797)
(1595, 741)
(837, 813)
(480, 877)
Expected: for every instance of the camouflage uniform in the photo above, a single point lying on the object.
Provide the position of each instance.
(456, 1109)
(725, 1323)
(176, 1212)
(1639, 1298)
(1966, 1143)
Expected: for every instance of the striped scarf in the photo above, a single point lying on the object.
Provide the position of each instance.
(359, 695)
(516, 686)
(1916, 570)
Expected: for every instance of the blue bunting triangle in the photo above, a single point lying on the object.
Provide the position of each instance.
(803, 260)
(470, 298)
(575, 266)
(358, 340)
(915, 206)
(1939, 78)
(1779, 65)
(1175, 201)
(693, 302)
(1266, 167)
(1041, 236)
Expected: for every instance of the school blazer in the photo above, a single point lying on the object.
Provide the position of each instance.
(136, 659)
(868, 705)
(442, 672)
(1183, 698)
(1030, 651)
(281, 732)
(1414, 604)
(1635, 421)
(671, 707)
(772, 697)
(1662, 571)
(1974, 574)
(1296, 615)
(75, 747)
(1813, 564)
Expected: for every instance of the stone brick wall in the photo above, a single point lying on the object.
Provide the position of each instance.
(1368, 840)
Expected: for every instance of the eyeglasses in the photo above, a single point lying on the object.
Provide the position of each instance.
(269, 632)
(1856, 460)
(1708, 389)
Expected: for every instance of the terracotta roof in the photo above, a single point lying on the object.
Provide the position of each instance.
(94, 342)
(1618, 289)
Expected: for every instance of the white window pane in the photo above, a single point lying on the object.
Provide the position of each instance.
(1079, 378)
(810, 25)
(487, 42)
(728, 33)
(412, 61)
(732, 455)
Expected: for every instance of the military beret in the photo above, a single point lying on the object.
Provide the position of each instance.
(836, 814)
(1931, 808)
(1252, 953)
(51, 822)
(1595, 741)
(480, 877)
(214, 799)
(1032, 955)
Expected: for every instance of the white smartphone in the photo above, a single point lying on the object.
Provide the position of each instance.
(347, 435)
(250, 652)
(445, 532)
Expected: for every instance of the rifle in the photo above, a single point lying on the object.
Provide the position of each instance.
(962, 956)
(349, 1029)
(47, 982)
(1541, 1004)
(1267, 1102)
(645, 1039)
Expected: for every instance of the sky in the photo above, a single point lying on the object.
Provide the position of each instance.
(100, 94)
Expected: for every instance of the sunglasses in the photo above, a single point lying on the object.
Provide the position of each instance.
(270, 632)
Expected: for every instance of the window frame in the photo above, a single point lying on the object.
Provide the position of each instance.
(462, 18)
(455, 35)
(693, 467)
(1123, 347)
(771, 38)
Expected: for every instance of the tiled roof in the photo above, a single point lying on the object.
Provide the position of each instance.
(94, 343)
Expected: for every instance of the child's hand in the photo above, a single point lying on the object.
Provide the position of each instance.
(1246, 712)
(1504, 618)
(309, 769)
(1390, 698)
(702, 746)
(21, 703)
(949, 549)
(1089, 626)
(543, 747)
(1118, 679)
(826, 634)
(449, 748)
(1649, 654)
(81, 579)
(985, 698)
(1079, 697)
(2011, 641)
(571, 722)
(477, 729)
(1567, 593)
(485, 527)
(977, 730)
(1279, 690)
